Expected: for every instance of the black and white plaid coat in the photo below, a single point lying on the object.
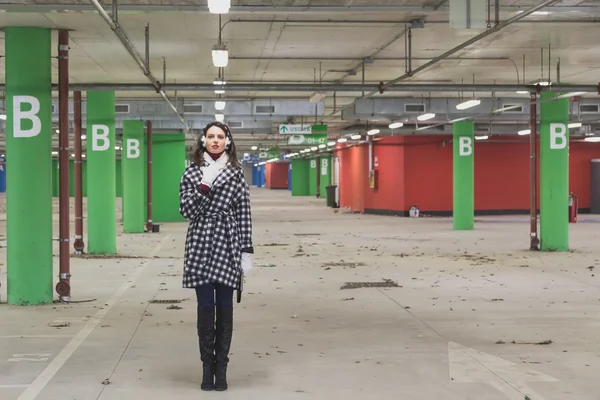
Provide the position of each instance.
(220, 227)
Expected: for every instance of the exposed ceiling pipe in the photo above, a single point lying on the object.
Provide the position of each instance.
(120, 33)
(241, 9)
(291, 87)
(469, 42)
(385, 86)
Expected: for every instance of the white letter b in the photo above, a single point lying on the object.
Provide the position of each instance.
(133, 148)
(100, 133)
(465, 146)
(19, 115)
(558, 136)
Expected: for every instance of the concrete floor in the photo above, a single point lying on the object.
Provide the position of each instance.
(446, 333)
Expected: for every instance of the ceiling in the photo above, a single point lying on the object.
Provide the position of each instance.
(276, 45)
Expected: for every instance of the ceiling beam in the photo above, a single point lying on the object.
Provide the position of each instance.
(356, 9)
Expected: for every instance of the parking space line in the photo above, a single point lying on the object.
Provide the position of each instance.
(35, 336)
(56, 364)
(13, 386)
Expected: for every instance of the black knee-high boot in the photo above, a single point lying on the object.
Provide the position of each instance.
(206, 335)
(223, 343)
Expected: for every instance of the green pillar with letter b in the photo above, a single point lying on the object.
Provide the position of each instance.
(463, 162)
(554, 173)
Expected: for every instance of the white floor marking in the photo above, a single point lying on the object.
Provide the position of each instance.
(29, 357)
(13, 386)
(470, 365)
(36, 387)
(35, 336)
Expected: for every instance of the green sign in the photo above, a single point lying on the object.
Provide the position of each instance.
(310, 140)
(269, 154)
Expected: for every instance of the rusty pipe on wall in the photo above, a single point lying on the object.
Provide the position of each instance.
(79, 243)
(149, 157)
(534, 240)
(63, 287)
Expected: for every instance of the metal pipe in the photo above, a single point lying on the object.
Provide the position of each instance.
(469, 42)
(79, 243)
(311, 87)
(147, 47)
(129, 47)
(149, 169)
(497, 12)
(115, 11)
(534, 241)
(63, 287)
(409, 51)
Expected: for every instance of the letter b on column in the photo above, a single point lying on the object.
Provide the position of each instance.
(558, 136)
(19, 115)
(133, 148)
(100, 140)
(465, 146)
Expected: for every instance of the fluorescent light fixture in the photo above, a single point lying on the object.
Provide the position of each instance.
(3, 116)
(524, 132)
(316, 97)
(483, 137)
(342, 140)
(355, 137)
(219, 91)
(254, 148)
(544, 83)
(522, 92)
(219, 6)
(395, 125)
(331, 144)
(426, 116)
(373, 132)
(220, 117)
(83, 137)
(117, 148)
(315, 148)
(220, 105)
(322, 146)
(575, 125)
(468, 104)
(571, 94)
(592, 139)
(219, 81)
(57, 131)
(220, 55)
(246, 154)
(54, 153)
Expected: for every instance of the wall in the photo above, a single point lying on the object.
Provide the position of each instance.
(418, 171)
(277, 175)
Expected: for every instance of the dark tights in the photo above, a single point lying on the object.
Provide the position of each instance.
(206, 295)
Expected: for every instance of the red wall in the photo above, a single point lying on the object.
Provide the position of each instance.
(276, 175)
(418, 171)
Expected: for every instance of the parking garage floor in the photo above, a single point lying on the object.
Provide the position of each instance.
(474, 315)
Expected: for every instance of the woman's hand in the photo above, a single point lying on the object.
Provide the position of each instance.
(246, 262)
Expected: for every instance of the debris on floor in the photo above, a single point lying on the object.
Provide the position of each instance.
(543, 342)
(357, 285)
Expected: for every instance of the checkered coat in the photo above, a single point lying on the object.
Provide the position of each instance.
(220, 227)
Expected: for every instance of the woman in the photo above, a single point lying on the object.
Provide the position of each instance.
(215, 198)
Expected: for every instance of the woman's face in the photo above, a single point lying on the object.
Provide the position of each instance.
(215, 140)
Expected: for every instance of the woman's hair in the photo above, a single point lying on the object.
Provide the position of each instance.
(198, 153)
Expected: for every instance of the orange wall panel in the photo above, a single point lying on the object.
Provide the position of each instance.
(418, 171)
(276, 175)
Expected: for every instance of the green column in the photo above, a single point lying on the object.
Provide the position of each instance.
(312, 177)
(168, 164)
(300, 180)
(132, 162)
(325, 171)
(102, 214)
(55, 181)
(463, 175)
(554, 173)
(29, 151)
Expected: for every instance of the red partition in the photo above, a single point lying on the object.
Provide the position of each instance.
(276, 175)
(418, 171)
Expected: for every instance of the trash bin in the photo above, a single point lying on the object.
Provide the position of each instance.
(331, 195)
